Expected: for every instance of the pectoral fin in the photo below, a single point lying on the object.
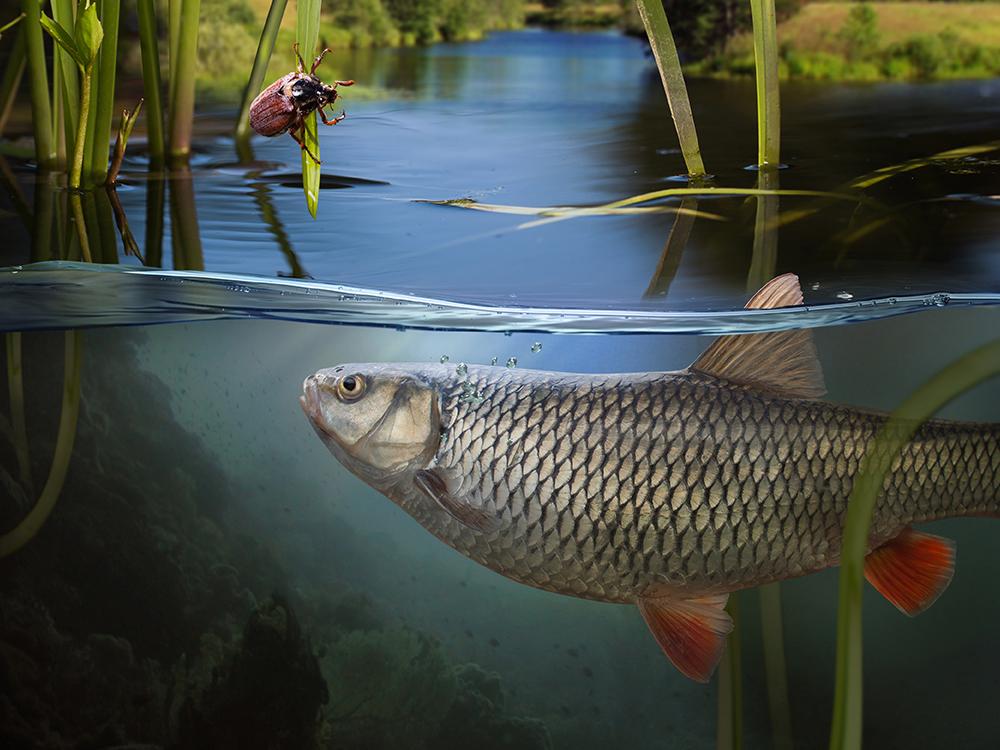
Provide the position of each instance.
(912, 570)
(691, 632)
(434, 486)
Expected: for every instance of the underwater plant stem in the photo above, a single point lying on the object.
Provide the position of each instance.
(661, 40)
(104, 68)
(729, 727)
(41, 106)
(265, 47)
(151, 81)
(773, 635)
(183, 82)
(765, 53)
(958, 377)
(29, 526)
(15, 391)
(81, 133)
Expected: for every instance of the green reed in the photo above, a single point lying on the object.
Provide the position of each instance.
(149, 46)
(661, 40)
(265, 47)
(103, 97)
(30, 525)
(765, 52)
(10, 82)
(950, 382)
(182, 78)
(307, 36)
(41, 106)
(729, 725)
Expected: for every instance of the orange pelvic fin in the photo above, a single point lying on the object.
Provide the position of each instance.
(912, 570)
(691, 632)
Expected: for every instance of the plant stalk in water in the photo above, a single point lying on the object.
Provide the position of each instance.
(265, 47)
(661, 40)
(152, 85)
(922, 404)
(29, 526)
(765, 52)
(182, 81)
(41, 108)
(729, 728)
(18, 423)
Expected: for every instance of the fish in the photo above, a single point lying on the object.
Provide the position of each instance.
(663, 490)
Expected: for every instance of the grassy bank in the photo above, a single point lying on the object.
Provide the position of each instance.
(230, 30)
(877, 41)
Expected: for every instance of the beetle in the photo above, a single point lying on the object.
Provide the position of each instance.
(282, 107)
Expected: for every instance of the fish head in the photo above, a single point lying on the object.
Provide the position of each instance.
(382, 422)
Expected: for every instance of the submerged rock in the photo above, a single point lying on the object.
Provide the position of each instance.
(268, 695)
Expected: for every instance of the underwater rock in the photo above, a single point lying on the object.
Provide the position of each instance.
(478, 717)
(267, 696)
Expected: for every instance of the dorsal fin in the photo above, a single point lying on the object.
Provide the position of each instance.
(782, 362)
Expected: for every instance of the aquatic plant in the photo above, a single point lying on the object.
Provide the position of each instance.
(950, 382)
(765, 52)
(151, 81)
(28, 527)
(661, 40)
(306, 36)
(184, 17)
(261, 59)
(729, 725)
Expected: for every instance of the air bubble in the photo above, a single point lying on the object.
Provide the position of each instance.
(511, 363)
(494, 361)
(845, 295)
(536, 347)
(462, 368)
(444, 359)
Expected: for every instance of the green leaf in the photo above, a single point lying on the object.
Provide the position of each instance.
(310, 169)
(307, 35)
(11, 24)
(64, 39)
(128, 121)
(88, 34)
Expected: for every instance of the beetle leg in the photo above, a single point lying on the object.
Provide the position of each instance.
(342, 83)
(301, 67)
(334, 121)
(302, 144)
(318, 60)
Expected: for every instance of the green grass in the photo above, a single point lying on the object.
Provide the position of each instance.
(905, 40)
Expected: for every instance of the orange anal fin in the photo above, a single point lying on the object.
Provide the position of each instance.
(912, 570)
(691, 632)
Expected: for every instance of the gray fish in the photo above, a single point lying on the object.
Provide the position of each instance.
(666, 490)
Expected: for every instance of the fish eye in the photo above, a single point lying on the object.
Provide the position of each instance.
(350, 387)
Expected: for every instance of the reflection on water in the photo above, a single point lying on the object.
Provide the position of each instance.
(208, 557)
(550, 119)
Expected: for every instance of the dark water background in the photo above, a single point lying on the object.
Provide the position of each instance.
(211, 577)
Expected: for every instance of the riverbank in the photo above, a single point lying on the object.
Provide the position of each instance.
(845, 41)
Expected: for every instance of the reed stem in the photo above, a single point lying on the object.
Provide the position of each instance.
(69, 77)
(265, 47)
(958, 377)
(729, 729)
(183, 82)
(661, 40)
(765, 52)
(29, 526)
(307, 35)
(41, 107)
(11, 80)
(151, 81)
(15, 391)
(109, 11)
(81, 134)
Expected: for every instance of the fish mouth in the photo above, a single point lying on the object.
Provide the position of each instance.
(310, 403)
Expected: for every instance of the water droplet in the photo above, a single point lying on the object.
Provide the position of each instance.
(511, 362)
(814, 286)
(444, 358)
(892, 300)
(536, 347)
(494, 361)
(845, 295)
(462, 368)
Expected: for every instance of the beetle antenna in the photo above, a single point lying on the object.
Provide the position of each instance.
(302, 63)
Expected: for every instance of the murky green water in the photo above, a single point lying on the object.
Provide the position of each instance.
(211, 577)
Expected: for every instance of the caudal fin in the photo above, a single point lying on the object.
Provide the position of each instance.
(912, 570)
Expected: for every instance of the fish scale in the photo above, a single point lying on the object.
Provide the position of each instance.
(641, 482)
